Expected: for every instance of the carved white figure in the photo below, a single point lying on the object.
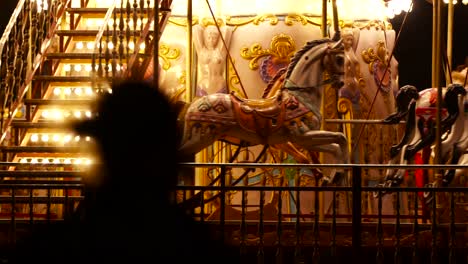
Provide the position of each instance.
(353, 75)
(211, 54)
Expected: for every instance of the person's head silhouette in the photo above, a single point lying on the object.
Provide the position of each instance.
(135, 133)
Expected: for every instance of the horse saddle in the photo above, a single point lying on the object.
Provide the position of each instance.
(262, 116)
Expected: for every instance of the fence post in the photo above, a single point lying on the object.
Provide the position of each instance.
(356, 213)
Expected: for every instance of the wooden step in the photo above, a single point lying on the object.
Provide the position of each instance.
(59, 102)
(100, 12)
(87, 10)
(41, 124)
(39, 149)
(92, 33)
(67, 79)
(70, 56)
(41, 174)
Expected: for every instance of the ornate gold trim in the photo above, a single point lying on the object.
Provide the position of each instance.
(166, 53)
(282, 47)
(234, 81)
(289, 20)
(236, 21)
(182, 21)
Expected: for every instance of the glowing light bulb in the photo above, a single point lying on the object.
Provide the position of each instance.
(45, 138)
(79, 45)
(34, 138)
(78, 91)
(56, 138)
(57, 91)
(45, 114)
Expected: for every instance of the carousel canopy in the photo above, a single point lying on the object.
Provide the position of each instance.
(348, 9)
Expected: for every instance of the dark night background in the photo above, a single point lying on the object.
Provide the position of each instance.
(413, 49)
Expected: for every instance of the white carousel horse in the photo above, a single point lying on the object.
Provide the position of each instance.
(292, 115)
(420, 126)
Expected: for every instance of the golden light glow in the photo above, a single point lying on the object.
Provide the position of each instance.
(348, 9)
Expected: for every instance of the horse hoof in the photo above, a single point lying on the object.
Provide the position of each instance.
(428, 196)
(325, 181)
(377, 194)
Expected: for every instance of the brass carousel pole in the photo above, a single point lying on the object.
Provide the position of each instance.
(189, 66)
(324, 18)
(156, 44)
(324, 35)
(449, 41)
(436, 78)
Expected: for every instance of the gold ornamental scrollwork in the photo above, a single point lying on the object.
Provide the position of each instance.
(304, 20)
(376, 24)
(182, 21)
(371, 57)
(230, 21)
(166, 54)
(234, 81)
(282, 48)
(289, 20)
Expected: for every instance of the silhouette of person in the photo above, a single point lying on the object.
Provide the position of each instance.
(128, 215)
(211, 58)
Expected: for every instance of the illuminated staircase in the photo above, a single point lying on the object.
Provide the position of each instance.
(80, 48)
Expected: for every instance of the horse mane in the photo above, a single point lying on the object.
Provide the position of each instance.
(299, 53)
(273, 81)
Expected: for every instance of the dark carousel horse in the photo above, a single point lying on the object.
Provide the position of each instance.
(420, 130)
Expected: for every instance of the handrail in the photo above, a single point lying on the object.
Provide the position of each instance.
(36, 58)
(10, 25)
(108, 15)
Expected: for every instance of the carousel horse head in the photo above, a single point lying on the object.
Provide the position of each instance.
(403, 98)
(323, 64)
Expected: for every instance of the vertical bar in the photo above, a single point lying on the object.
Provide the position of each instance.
(279, 229)
(434, 231)
(222, 198)
(156, 44)
(356, 213)
(434, 41)
(316, 252)
(189, 57)
(297, 250)
(31, 205)
(243, 227)
(13, 216)
(333, 228)
(397, 255)
(415, 257)
(48, 205)
(449, 40)
(324, 18)
(202, 205)
(380, 255)
(437, 159)
(452, 243)
(261, 231)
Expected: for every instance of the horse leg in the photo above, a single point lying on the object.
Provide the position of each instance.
(334, 143)
(196, 138)
(300, 157)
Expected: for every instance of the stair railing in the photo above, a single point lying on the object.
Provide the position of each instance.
(24, 41)
(138, 63)
(123, 40)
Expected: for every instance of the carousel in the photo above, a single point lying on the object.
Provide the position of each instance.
(298, 141)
